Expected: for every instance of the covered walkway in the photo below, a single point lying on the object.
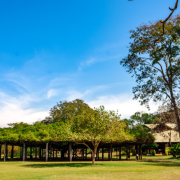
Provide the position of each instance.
(67, 151)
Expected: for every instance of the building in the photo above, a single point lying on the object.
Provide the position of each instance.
(165, 135)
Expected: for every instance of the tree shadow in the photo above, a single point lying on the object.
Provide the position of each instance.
(49, 165)
(172, 162)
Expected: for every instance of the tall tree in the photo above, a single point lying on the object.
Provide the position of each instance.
(156, 64)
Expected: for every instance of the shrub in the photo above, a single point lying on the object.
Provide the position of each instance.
(175, 150)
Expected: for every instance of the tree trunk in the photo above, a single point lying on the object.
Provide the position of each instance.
(94, 155)
(173, 101)
(177, 117)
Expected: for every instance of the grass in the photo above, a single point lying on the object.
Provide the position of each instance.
(152, 167)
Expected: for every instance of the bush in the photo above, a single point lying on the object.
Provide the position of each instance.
(175, 150)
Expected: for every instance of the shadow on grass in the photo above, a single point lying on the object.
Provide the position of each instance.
(170, 162)
(167, 164)
(49, 165)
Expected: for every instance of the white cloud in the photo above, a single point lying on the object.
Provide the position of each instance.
(12, 113)
(17, 110)
(123, 103)
(51, 93)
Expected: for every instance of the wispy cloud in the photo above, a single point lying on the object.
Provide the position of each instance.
(52, 93)
(20, 82)
(97, 59)
(59, 81)
(123, 103)
(87, 63)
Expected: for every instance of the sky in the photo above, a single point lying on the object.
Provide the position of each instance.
(59, 50)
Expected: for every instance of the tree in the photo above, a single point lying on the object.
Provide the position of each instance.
(93, 127)
(143, 118)
(156, 65)
(63, 111)
(165, 113)
(142, 135)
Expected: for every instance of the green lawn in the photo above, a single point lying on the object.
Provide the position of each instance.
(152, 167)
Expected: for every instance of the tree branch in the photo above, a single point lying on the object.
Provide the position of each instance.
(163, 73)
(164, 22)
(85, 145)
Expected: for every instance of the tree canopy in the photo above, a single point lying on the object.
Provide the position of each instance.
(156, 65)
(64, 111)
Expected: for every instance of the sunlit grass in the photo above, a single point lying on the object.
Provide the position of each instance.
(152, 167)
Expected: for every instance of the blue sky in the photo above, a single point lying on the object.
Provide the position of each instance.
(60, 50)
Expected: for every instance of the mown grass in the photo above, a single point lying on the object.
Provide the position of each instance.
(163, 167)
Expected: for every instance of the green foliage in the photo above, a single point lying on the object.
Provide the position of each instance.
(155, 64)
(175, 150)
(141, 135)
(64, 111)
(143, 118)
(23, 132)
(150, 146)
(99, 125)
(76, 122)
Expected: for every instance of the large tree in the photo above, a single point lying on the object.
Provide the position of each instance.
(89, 126)
(94, 127)
(156, 64)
